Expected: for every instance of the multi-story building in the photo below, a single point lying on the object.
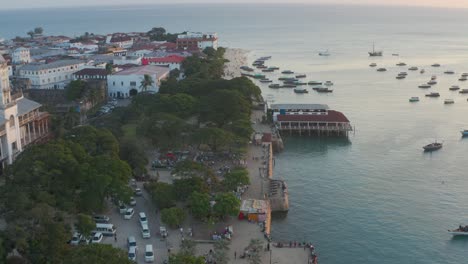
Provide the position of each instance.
(54, 75)
(21, 123)
(127, 82)
(120, 40)
(21, 56)
(171, 61)
(90, 74)
(197, 41)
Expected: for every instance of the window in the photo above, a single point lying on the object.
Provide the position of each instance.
(12, 121)
(132, 83)
(121, 83)
(113, 83)
(14, 147)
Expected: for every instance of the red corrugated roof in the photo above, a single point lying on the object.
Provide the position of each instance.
(332, 116)
(167, 59)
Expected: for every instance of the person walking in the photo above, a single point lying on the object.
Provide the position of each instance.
(235, 255)
(115, 237)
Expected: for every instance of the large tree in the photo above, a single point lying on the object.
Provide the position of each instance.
(199, 204)
(236, 178)
(226, 204)
(162, 194)
(173, 217)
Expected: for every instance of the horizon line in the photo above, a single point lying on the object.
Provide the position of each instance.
(232, 3)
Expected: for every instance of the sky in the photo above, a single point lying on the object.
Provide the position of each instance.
(9, 4)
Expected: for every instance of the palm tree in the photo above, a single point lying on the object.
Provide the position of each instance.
(146, 82)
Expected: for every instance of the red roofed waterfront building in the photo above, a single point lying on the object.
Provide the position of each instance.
(309, 119)
(173, 61)
(197, 41)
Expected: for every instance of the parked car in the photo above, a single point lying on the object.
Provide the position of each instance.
(129, 214)
(145, 232)
(149, 254)
(132, 201)
(101, 219)
(77, 237)
(138, 192)
(131, 242)
(132, 253)
(143, 219)
(97, 238)
(122, 208)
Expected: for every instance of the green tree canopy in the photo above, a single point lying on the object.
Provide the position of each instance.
(235, 178)
(199, 204)
(164, 130)
(97, 254)
(173, 216)
(216, 138)
(85, 224)
(227, 204)
(163, 194)
(183, 188)
(181, 258)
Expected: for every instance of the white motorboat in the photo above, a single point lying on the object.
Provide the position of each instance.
(460, 231)
(324, 53)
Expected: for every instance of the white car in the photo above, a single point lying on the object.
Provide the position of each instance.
(145, 232)
(122, 208)
(76, 239)
(138, 192)
(143, 219)
(129, 213)
(97, 238)
(132, 201)
(149, 254)
(132, 253)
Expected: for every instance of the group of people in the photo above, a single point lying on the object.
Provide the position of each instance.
(463, 228)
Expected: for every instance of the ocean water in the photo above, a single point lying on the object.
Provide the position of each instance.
(374, 197)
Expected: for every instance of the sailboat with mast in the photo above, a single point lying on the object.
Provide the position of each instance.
(375, 53)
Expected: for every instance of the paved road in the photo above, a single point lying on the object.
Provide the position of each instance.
(132, 227)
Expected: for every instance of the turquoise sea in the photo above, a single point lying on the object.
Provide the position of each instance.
(372, 198)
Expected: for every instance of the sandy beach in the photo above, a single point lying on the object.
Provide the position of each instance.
(237, 58)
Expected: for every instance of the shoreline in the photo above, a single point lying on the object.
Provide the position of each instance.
(236, 58)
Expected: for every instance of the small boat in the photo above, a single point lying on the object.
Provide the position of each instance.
(413, 68)
(289, 85)
(266, 81)
(402, 74)
(268, 70)
(300, 91)
(462, 79)
(425, 86)
(395, 54)
(401, 64)
(422, 71)
(381, 69)
(300, 83)
(433, 95)
(274, 68)
(323, 90)
(400, 77)
(433, 77)
(449, 72)
(460, 231)
(463, 91)
(324, 53)
(246, 68)
(435, 65)
(449, 101)
(432, 82)
(414, 99)
(373, 64)
(258, 63)
(287, 72)
(464, 132)
(454, 88)
(328, 83)
(464, 74)
(286, 79)
(262, 67)
(375, 53)
(314, 83)
(265, 58)
(274, 86)
(301, 76)
(259, 76)
(433, 146)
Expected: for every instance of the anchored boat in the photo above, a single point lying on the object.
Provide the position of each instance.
(433, 146)
(460, 231)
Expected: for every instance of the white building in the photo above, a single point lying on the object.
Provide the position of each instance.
(123, 60)
(21, 123)
(140, 53)
(21, 56)
(197, 41)
(128, 82)
(54, 75)
(171, 61)
(121, 41)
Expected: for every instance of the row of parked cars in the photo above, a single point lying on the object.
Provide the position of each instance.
(107, 108)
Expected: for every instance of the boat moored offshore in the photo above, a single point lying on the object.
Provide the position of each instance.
(454, 88)
(449, 72)
(314, 83)
(463, 91)
(381, 69)
(433, 95)
(373, 64)
(460, 231)
(414, 68)
(449, 101)
(433, 146)
(414, 99)
(401, 64)
(375, 53)
(435, 65)
(464, 132)
(300, 91)
(287, 72)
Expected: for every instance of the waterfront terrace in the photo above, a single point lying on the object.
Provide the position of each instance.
(309, 119)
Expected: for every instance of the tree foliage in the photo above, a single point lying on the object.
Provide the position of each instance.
(183, 188)
(85, 224)
(182, 258)
(199, 204)
(98, 254)
(163, 194)
(227, 204)
(173, 217)
(134, 154)
(216, 138)
(236, 178)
